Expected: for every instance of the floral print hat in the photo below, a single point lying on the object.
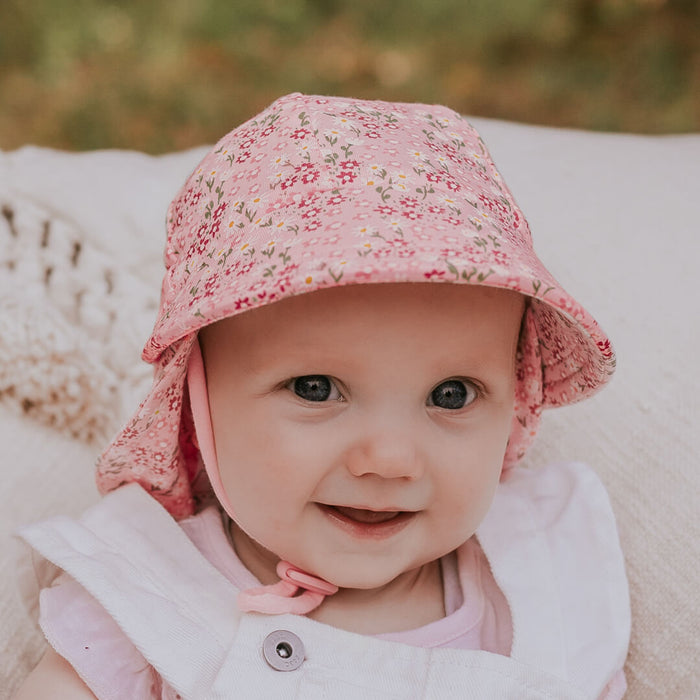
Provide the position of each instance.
(316, 192)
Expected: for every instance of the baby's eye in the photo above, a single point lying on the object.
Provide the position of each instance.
(453, 394)
(315, 387)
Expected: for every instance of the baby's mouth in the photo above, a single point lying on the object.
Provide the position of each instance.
(371, 517)
(368, 524)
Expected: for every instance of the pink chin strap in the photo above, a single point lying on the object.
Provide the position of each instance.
(277, 598)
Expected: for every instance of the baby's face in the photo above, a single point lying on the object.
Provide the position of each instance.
(360, 430)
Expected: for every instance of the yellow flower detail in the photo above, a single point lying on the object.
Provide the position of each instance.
(257, 199)
(281, 223)
(308, 280)
(270, 243)
(230, 223)
(370, 182)
(244, 246)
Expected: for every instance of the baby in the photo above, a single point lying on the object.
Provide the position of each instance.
(320, 495)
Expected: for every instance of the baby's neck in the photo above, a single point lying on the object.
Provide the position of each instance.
(411, 600)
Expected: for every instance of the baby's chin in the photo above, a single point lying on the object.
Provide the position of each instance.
(368, 576)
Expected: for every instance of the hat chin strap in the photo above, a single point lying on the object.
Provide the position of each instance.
(277, 598)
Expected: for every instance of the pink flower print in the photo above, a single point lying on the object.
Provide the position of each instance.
(605, 347)
(300, 134)
(500, 257)
(372, 134)
(243, 270)
(346, 176)
(432, 177)
(452, 184)
(385, 209)
(433, 273)
(486, 202)
(406, 252)
(513, 283)
(308, 173)
(288, 182)
(242, 303)
(408, 202)
(311, 213)
(411, 214)
(313, 225)
(214, 228)
(347, 172)
(267, 131)
(453, 221)
(209, 287)
(202, 239)
(309, 201)
(243, 156)
(333, 241)
(336, 199)
(219, 211)
(451, 152)
(196, 197)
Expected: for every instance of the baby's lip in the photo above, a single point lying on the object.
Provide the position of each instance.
(367, 515)
(368, 523)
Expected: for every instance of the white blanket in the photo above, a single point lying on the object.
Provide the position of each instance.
(617, 220)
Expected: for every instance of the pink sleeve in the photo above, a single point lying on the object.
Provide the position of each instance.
(84, 634)
(615, 688)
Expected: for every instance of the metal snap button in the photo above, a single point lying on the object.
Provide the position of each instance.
(283, 650)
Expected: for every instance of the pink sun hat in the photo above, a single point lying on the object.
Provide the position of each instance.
(317, 192)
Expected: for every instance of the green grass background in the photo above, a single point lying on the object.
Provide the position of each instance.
(159, 75)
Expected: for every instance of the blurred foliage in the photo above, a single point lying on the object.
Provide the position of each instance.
(159, 75)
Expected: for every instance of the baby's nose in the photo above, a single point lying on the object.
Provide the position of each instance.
(387, 452)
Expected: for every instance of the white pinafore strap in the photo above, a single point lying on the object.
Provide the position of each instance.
(552, 543)
(130, 555)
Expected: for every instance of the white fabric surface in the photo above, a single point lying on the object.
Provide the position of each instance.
(614, 217)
